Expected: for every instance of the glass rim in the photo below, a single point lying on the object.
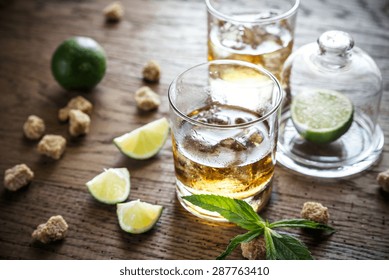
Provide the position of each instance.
(223, 16)
(273, 110)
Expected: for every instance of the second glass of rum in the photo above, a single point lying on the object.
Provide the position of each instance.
(256, 31)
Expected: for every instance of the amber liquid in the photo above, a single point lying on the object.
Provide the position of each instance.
(239, 164)
(268, 47)
(236, 181)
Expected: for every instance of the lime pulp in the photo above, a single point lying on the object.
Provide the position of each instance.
(144, 142)
(111, 186)
(322, 116)
(137, 216)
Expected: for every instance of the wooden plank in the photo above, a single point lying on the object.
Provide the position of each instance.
(174, 33)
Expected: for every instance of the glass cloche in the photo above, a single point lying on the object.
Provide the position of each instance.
(332, 66)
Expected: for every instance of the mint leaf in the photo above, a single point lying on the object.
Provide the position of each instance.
(279, 246)
(271, 253)
(286, 247)
(302, 223)
(247, 237)
(236, 211)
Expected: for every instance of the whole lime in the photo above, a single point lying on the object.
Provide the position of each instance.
(78, 63)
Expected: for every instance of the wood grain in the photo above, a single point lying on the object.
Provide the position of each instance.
(173, 32)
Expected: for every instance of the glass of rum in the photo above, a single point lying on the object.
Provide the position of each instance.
(224, 121)
(257, 31)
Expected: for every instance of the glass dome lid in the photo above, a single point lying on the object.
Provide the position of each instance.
(333, 65)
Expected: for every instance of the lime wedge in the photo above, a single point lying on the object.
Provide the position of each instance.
(322, 116)
(110, 187)
(144, 142)
(138, 217)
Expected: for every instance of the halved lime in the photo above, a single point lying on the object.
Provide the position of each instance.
(322, 116)
(137, 216)
(111, 186)
(144, 142)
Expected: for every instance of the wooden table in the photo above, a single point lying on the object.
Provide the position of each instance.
(173, 32)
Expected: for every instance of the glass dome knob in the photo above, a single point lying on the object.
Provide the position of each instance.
(337, 42)
(334, 50)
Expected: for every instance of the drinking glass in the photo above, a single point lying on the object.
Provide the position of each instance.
(257, 31)
(224, 121)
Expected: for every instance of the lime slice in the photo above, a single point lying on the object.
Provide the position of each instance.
(322, 116)
(110, 187)
(138, 217)
(144, 142)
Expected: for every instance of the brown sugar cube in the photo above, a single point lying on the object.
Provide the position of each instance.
(78, 103)
(383, 180)
(146, 99)
(34, 127)
(114, 12)
(79, 123)
(52, 146)
(316, 212)
(254, 249)
(53, 230)
(17, 177)
(151, 71)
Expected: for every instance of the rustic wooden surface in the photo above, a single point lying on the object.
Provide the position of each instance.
(174, 33)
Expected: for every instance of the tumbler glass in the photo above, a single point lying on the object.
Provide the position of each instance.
(224, 121)
(257, 31)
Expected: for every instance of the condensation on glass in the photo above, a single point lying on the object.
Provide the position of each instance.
(257, 31)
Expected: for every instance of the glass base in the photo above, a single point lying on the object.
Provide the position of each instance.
(258, 202)
(351, 154)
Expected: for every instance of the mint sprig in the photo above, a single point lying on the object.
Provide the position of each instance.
(279, 246)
